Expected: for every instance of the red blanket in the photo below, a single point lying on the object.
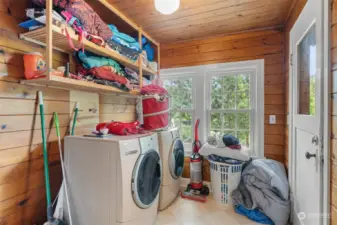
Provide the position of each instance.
(119, 128)
(107, 73)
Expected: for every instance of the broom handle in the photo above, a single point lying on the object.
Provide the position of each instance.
(57, 125)
(74, 121)
(45, 159)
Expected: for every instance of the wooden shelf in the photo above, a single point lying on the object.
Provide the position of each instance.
(54, 37)
(60, 43)
(72, 84)
(148, 71)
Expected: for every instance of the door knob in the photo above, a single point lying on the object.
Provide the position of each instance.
(308, 155)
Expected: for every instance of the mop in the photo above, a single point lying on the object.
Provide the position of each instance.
(64, 187)
(63, 193)
(59, 210)
(51, 219)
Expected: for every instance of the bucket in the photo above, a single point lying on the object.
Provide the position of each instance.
(35, 65)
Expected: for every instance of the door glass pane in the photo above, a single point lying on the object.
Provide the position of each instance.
(306, 73)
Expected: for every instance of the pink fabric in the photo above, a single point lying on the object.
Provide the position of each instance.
(235, 147)
(92, 23)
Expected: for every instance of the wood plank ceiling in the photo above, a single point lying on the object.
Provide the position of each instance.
(203, 18)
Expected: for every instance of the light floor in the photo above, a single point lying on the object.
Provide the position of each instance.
(187, 212)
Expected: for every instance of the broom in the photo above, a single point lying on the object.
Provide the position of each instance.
(50, 218)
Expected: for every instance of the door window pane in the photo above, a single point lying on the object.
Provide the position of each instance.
(306, 73)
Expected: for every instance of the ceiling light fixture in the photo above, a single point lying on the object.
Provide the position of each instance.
(167, 7)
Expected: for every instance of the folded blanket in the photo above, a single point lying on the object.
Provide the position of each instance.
(264, 185)
(128, 52)
(242, 155)
(90, 60)
(108, 73)
(91, 21)
(124, 39)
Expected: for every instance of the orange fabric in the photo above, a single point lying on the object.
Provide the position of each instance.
(107, 73)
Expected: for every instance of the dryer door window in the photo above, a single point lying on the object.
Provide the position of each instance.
(177, 161)
(146, 179)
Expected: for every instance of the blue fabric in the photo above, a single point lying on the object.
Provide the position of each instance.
(124, 39)
(148, 48)
(149, 51)
(90, 60)
(255, 215)
(229, 140)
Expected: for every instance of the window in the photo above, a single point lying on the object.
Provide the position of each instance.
(230, 106)
(181, 104)
(227, 97)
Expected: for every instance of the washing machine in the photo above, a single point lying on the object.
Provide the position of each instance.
(172, 154)
(113, 181)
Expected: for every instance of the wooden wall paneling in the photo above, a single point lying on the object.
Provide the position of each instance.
(22, 193)
(22, 154)
(267, 45)
(30, 198)
(11, 173)
(117, 108)
(20, 186)
(11, 90)
(333, 215)
(197, 19)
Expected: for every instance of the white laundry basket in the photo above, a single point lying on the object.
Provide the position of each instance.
(225, 177)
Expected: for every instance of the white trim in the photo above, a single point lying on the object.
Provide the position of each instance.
(200, 95)
(326, 109)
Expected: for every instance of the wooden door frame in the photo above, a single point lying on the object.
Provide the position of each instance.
(326, 95)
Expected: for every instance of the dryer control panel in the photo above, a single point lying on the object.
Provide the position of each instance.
(149, 143)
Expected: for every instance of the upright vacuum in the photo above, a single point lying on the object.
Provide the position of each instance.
(195, 189)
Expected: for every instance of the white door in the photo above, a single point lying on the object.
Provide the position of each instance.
(306, 114)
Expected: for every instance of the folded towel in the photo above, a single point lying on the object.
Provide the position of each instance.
(242, 155)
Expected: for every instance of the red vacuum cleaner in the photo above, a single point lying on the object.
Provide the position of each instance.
(195, 189)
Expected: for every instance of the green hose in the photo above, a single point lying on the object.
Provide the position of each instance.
(45, 160)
